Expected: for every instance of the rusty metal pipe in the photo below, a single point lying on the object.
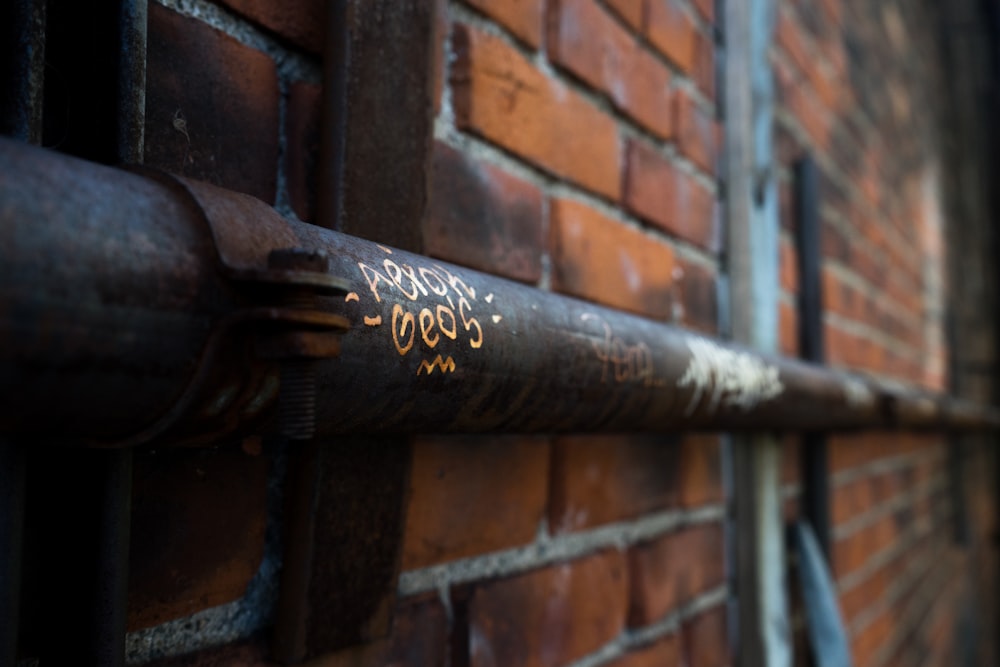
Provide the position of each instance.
(136, 309)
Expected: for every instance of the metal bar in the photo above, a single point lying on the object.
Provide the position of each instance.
(12, 476)
(378, 107)
(815, 478)
(129, 316)
(79, 509)
(22, 68)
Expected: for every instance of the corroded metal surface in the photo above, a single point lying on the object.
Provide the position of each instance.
(131, 310)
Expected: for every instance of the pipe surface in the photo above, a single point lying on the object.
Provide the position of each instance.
(134, 309)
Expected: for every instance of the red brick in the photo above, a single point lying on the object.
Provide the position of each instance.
(471, 495)
(302, 130)
(632, 12)
(194, 544)
(587, 41)
(871, 638)
(790, 37)
(603, 260)
(668, 198)
(302, 22)
(791, 460)
(704, 641)
(803, 104)
(673, 32)
(698, 296)
(521, 17)
(865, 595)
(672, 570)
(789, 264)
(696, 133)
(704, 64)
(483, 217)
(599, 479)
(419, 638)
(706, 8)
(788, 329)
(701, 471)
(550, 616)
(499, 95)
(850, 500)
(664, 653)
(211, 106)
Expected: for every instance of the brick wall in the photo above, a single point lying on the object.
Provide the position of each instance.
(576, 148)
(860, 88)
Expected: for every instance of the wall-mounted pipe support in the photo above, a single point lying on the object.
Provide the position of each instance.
(132, 309)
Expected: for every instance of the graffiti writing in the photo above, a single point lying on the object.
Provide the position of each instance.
(727, 377)
(424, 326)
(622, 363)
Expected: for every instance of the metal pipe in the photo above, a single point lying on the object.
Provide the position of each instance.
(134, 310)
(815, 469)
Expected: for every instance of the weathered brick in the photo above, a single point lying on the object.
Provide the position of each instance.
(419, 638)
(472, 495)
(587, 41)
(789, 265)
(704, 640)
(673, 32)
(696, 133)
(499, 94)
(791, 38)
(667, 197)
(522, 17)
(636, 271)
(673, 569)
(632, 12)
(865, 594)
(302, 137)
(194, 543)
(788, 329)
(483, 217)
(704, 64)
(550, 616)
(211, 106)
(701, 470)
(599, 479)
(302, 22)
(867, 642)
(706, 8)
(663, 653)
(698, 296)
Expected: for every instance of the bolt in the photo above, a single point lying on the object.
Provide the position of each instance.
(297, 393)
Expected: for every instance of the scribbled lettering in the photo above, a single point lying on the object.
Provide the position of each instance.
(623, 363)
(443, 312)
(372, 276)
(453, 318)
(426, 320)
(445, 365)
(399, 329)
(727, 377)
(469, 323)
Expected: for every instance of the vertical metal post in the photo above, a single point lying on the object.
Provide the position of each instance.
(12, 470)
(22, 68)
(80, 501)
(815, 478)
(762, 636)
